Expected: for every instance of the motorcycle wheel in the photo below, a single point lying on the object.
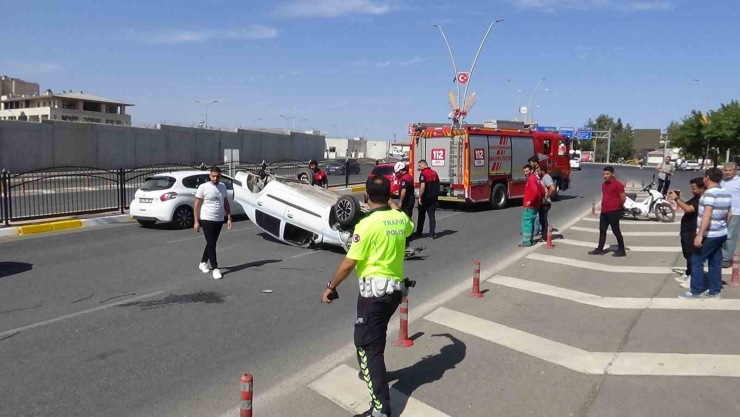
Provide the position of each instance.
(664, 213)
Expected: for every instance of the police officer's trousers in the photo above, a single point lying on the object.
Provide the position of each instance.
(371, 326)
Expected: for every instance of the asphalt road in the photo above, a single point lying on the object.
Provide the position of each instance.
(119, 321)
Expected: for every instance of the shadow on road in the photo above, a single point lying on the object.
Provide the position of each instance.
(565, 197)
(446, 233)
(430, 369)
(256, 264)
(12, 268)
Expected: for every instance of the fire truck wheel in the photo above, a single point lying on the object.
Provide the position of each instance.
(558, 186)
(499, 196)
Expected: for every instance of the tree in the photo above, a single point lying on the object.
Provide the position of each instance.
(689, 135)
(622, 138)
(723, 129)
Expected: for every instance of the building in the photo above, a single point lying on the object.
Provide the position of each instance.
(21, 100)
(345, 148)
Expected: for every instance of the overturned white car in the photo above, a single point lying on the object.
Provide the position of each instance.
(298, 213)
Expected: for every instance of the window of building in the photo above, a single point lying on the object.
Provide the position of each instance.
(70, 118)
(90, 106)
(112, 109)
(33, 118)
(91, 119)
(69, 105)
(332, 148)
(110, 122)
(118, 122)
(44, 117)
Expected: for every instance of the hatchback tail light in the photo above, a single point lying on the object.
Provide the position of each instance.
(167, 196)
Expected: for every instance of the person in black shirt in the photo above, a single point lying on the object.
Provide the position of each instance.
(688, 225)
(428, 195)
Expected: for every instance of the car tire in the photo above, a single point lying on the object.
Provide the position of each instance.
(499, 196)
(306, 176)
(183, 217)
(347, 211)
(146, 223)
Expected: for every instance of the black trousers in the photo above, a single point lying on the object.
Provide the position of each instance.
(371, 326)
(211, 230)
(409, 210)
(610, 219)
(430, 208)
(687, 247)
(544, 210)
(663, 185)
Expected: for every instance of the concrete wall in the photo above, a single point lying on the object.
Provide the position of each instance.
(26, 146)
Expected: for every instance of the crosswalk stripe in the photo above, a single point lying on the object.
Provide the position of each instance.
(634, 222)
(646, 234)
(593, 363)
(595, 266)
(600, 267)
(584, 244)
(343, 388)
(627, 303)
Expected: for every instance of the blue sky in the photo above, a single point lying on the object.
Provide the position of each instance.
(372, 66)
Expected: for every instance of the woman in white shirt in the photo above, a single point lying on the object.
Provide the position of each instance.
(211, 204)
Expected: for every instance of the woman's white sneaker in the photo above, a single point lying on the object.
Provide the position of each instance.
(204, 267)
(217, 274)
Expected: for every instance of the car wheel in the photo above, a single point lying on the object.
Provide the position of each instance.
(305, 176)
(347, 211)
(146, 223)
(499, 197)
(183, 217)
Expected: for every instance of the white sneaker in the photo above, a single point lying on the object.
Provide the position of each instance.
(204, 267)
(217, 274)
(683, 278)
(685, 284)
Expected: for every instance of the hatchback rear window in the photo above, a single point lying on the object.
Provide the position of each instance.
(382, 171)
(157, 183)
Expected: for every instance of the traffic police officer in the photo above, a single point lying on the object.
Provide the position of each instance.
(377, 252)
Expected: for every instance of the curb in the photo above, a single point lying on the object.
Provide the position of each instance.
(63, 225)
(358, 188)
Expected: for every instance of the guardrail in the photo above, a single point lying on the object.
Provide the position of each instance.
(76, 190)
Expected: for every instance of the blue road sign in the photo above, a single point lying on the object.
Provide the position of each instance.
(584, 133)
(567, 132)
(547, 129)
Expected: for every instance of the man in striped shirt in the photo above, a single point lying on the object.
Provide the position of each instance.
(711, 233)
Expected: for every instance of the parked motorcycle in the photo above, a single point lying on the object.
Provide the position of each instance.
(654, 202)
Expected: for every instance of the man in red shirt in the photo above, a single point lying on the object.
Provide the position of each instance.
(533, 195)
(319, 177)
(428, 196)
(612, 199)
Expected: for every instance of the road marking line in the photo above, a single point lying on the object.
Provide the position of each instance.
(345, 389)
(651, 234)
(634, 222)
(594, 266)
(308, 374)
(200, 236)
(79, 313)
(572, 242)
(625, 303)
(304, 254)
(448, 216)
(593, 363)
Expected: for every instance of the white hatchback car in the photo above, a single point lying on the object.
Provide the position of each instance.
(169, 198)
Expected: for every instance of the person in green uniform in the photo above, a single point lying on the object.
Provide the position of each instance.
(377, 252)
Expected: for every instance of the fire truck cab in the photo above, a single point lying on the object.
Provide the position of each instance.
(483, 163)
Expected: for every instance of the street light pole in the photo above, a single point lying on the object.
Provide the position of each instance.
(333, 125)
(206, 104)
(254, 123)
(287, 121)
(529, 106)
(301, 122)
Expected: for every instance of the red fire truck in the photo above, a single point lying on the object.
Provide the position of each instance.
(483, 163)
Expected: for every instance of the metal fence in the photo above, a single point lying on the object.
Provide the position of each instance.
(75, 190)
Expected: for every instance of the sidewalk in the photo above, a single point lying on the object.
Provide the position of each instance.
(561, 333)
